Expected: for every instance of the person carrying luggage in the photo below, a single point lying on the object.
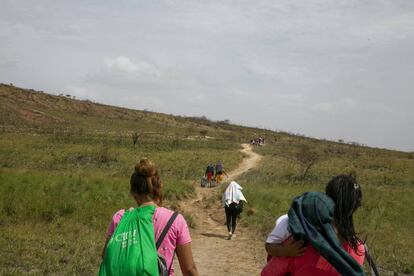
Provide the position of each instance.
(209, 173)
(220, 172)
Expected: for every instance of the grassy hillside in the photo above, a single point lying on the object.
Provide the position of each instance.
(65, 166)
(387, 182)
(38, 112)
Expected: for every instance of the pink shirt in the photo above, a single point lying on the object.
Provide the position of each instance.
(178, 234)
(311, 263)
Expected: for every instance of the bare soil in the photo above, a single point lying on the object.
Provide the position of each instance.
(213, 253)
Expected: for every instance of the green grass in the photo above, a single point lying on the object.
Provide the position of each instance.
(57, 196)
(65, 168)
(54, 223)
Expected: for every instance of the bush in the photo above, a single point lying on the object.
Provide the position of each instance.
(306, 158)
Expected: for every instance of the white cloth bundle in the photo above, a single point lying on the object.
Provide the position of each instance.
(232, 194)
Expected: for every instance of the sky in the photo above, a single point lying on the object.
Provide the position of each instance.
(333, 69)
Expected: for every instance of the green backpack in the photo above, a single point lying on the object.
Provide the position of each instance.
(131, 249)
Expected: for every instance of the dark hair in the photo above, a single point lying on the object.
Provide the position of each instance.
(347, 195)
(146, 181)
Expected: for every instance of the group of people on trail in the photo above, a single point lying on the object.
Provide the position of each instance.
(257, 141)
(315, 237)
(214, 174)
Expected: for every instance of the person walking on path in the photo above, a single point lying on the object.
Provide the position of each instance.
(169, 229)
(220, 172)
(209, 173)
(232, 201)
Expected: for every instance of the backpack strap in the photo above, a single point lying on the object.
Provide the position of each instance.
(166, 228)
(372, 267)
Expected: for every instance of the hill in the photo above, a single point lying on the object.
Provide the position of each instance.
(30, 109)
(65, 164)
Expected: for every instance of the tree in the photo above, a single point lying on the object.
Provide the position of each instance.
(203, 133)
(307, 158)
(225, 122)
(135, 137)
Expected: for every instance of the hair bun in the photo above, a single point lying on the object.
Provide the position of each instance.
(146, 168)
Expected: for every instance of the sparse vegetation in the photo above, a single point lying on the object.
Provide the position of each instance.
(134, 137)
(203, 132)
(65, 165)
(387, 182)
(307, 158)
(62, 180)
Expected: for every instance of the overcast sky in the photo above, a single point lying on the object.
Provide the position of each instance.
(340, 69)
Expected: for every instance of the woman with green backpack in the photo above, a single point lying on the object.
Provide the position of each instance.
(143, 240)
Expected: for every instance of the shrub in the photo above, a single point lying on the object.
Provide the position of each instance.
(306, 159)
(203, 132)
(135, 137)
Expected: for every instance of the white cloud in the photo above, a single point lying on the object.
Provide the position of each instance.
(123, 72)
(125, 65)
(121, 63)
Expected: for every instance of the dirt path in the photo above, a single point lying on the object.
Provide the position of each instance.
(214, 255)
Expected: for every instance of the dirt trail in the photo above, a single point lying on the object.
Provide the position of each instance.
(214, 255)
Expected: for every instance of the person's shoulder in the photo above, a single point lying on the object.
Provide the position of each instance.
(359, 254)
(284, 219)
(167, 213)
(119, 213)
(162, 211)
(116, 218)
(361, 248)
(123, 210)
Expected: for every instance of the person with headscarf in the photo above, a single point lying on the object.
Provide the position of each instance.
(233, 205)
(324, 223)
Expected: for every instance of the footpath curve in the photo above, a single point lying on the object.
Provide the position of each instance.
(213, 254)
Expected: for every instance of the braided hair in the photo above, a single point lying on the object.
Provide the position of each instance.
(347, 195)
